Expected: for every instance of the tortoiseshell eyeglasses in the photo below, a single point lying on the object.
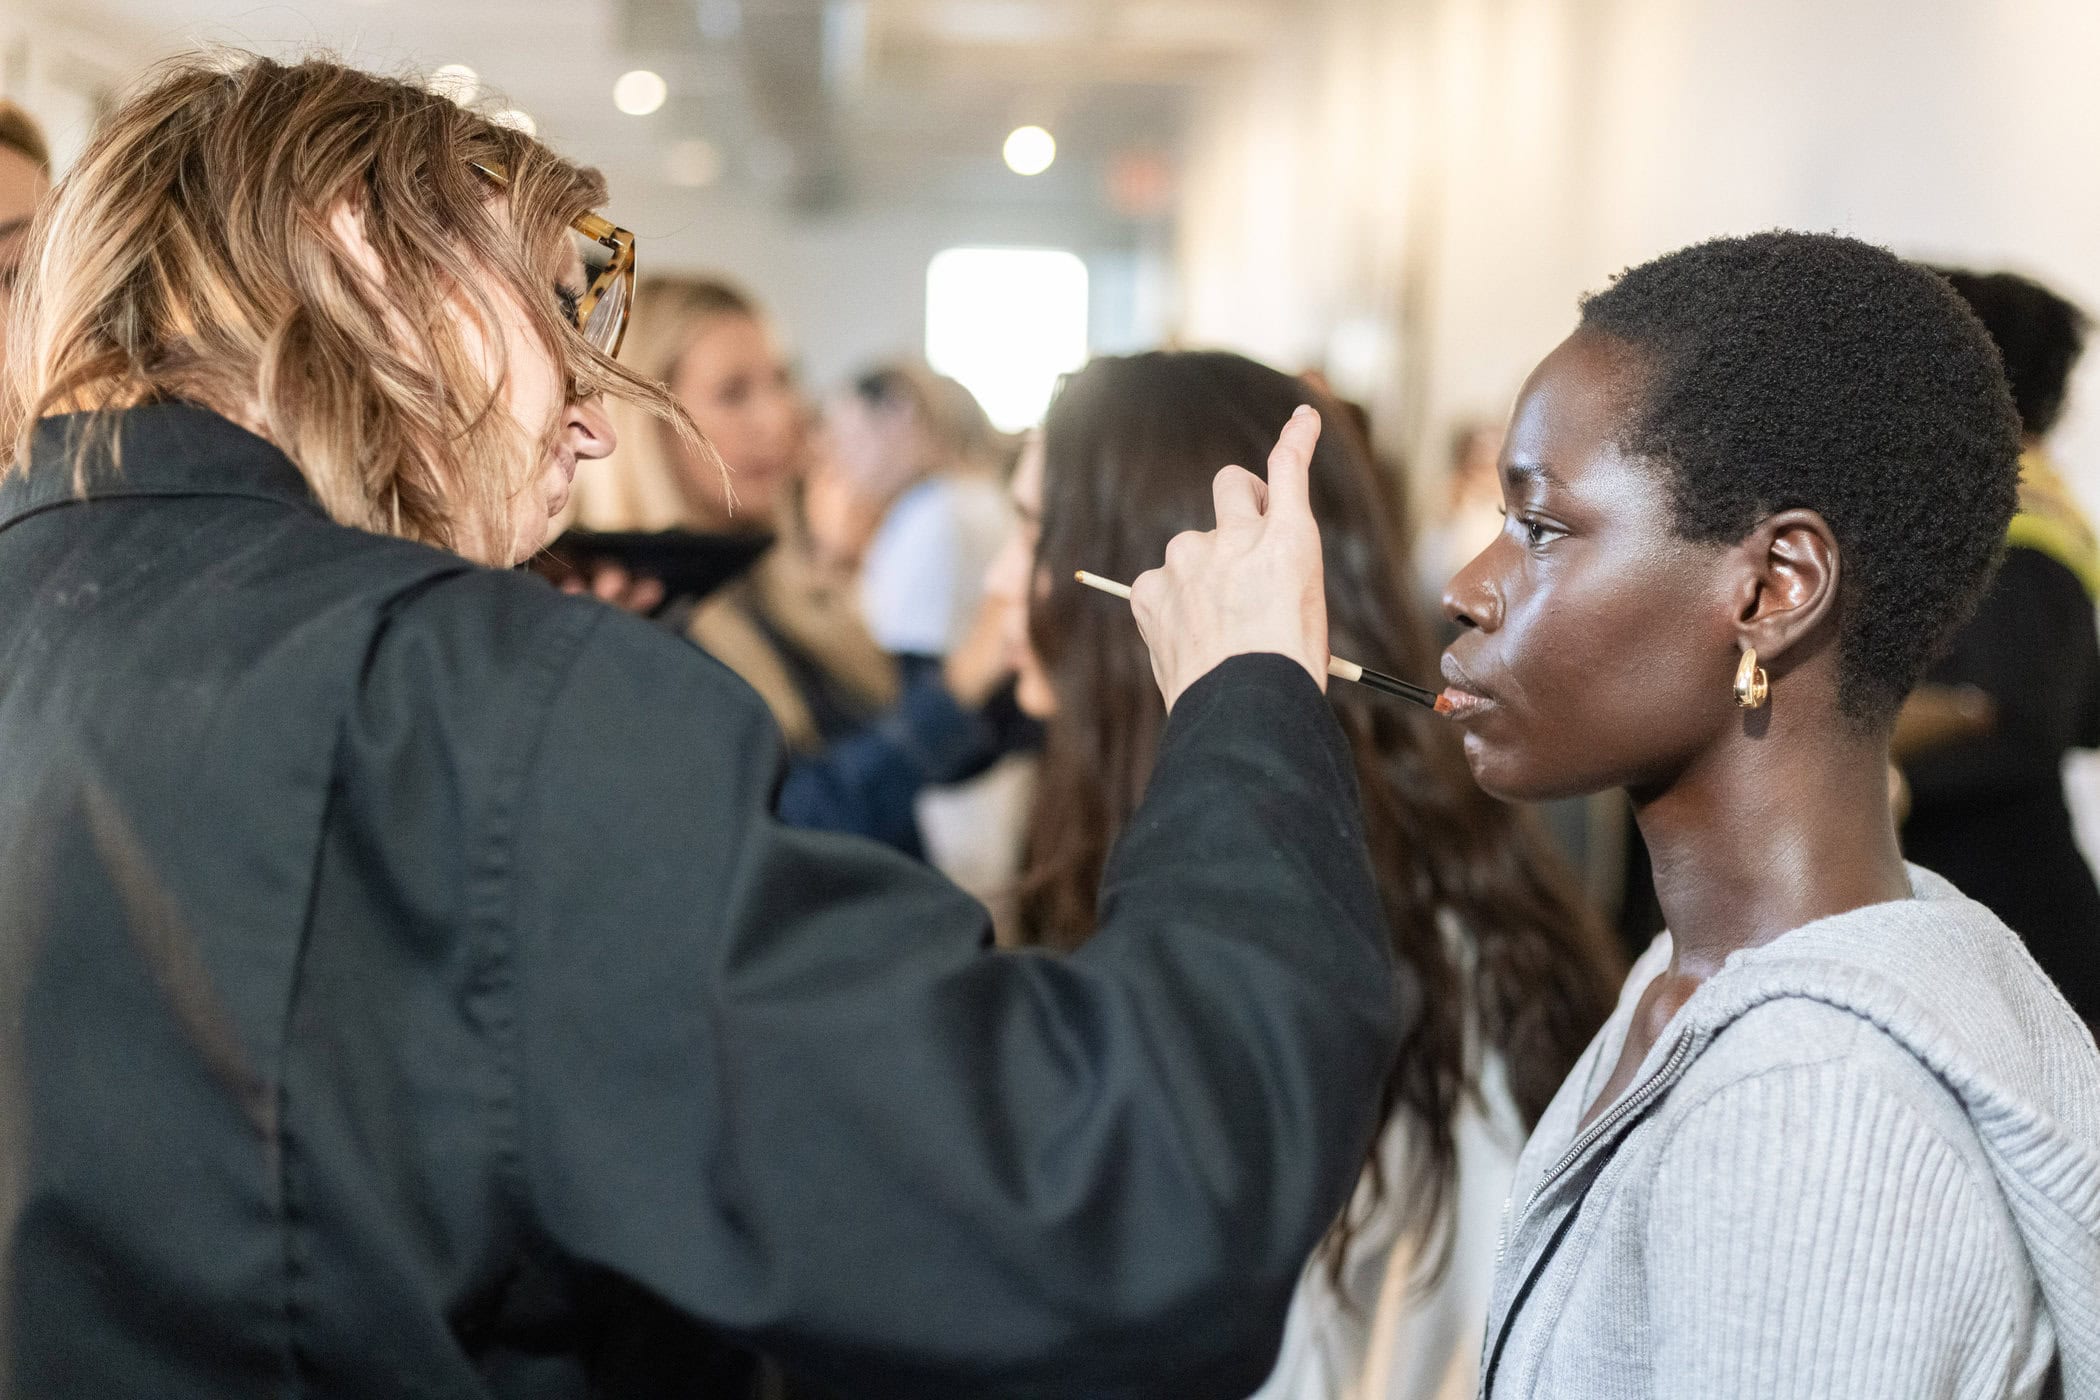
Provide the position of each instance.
(600, 309)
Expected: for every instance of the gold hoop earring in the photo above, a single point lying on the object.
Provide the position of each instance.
(1752, 686)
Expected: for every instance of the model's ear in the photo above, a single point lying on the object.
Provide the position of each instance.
(1788, 581)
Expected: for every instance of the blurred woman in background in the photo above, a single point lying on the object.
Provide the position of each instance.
(1515, 972)
(921, 471)
(864, 742)
(909, 498)
(786, 627)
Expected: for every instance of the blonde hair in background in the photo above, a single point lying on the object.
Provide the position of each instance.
(641, 485)
(188, 254)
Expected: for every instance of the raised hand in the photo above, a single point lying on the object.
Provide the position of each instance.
(1254, 584)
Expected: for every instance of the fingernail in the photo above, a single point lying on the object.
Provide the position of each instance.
(1303, 409)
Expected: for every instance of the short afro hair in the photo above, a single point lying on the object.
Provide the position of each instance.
(2039, 336)
(1788, 370)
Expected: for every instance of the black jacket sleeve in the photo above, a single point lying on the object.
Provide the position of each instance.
(868, 782)
(774, 1078)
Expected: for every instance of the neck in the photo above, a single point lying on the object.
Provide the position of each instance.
(1768, 833)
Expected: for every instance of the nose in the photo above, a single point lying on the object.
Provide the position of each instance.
(1472, 599)
(591, 429)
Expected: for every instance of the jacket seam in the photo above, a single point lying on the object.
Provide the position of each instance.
(290, 1214)
(31, 509)
(493, 912)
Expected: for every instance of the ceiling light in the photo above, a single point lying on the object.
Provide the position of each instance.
(516, 121)
(1029, 150)
(456, 81)
(639, 93)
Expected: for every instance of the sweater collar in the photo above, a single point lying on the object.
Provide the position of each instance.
(160, 449)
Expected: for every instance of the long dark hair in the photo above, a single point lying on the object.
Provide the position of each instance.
(1483, 913)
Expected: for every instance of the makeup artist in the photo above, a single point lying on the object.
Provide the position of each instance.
(1842, 1136)
(406, 988)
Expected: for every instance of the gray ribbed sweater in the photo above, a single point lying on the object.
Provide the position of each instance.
(1863, 1161)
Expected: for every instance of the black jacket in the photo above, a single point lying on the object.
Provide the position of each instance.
(405, 992)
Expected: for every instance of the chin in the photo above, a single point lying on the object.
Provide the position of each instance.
(1509, 775)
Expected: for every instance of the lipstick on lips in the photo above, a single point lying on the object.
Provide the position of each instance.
(1344, 670)
(1459, 698)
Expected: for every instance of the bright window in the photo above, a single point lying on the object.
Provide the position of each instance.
(1007, 322)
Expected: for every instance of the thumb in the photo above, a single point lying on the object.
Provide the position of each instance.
(1290, 464)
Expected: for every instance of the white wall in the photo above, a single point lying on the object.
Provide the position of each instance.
(1452, 174)
(1457, 172)
(60, 73)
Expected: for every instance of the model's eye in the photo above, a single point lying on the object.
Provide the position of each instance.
(1535, 532)
(571, 303)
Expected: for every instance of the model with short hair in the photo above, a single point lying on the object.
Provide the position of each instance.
(1842, 1136)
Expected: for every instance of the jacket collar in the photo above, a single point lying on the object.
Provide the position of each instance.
(163, 449)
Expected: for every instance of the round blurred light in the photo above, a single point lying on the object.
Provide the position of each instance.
(516, 121)
(456, 81)
(639, 93)
(1029, 150)
(692, 164)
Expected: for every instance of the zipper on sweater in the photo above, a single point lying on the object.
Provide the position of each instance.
(1632, 1103)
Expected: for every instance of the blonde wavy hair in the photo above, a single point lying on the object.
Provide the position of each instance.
(189, 254)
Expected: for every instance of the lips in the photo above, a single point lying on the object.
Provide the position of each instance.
(1465, 697)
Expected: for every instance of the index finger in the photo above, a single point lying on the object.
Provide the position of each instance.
(1290, 463)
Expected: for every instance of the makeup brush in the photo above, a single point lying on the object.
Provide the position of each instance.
(1345, 670)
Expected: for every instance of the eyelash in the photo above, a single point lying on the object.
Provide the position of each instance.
(1536, 532)
(571, 305)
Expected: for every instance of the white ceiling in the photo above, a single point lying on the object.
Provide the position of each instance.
(814, 104)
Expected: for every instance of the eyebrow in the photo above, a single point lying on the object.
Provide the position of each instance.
(1522, 473)
(12, 224)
